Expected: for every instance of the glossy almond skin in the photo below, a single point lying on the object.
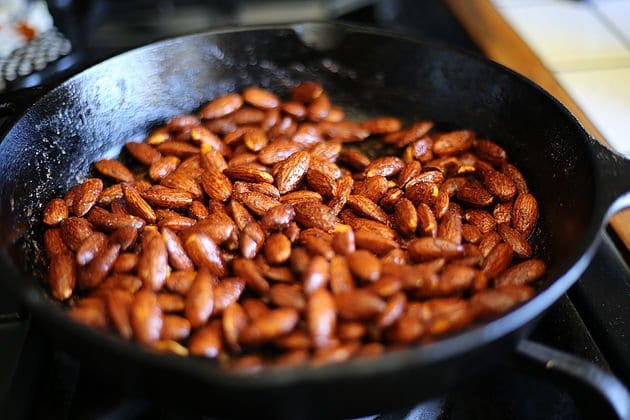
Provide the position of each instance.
(221, 106)
(314, 214)
(427, 223)
(427, 248)
(371, 241)
(340, 276)
(316, 275)
(153, 263)
(343, 241)
(525, 214)
(490, 152)
(492, 302)
(482, 219)
(96, 271)
(364, 265)
(306, 92)
(233, 321)
(270, 325)
(143, 152)
(292, 170)
(54, 243)
(367, 208)
(382, 125)
(62, 275)
(260, 98)
(170, 302)
(474, 196)
(393, 311)
(450, 228)
(207, 341)
(119, 310)
(516, 240)
(216, 185)
(204, 253)
(406, 217)
(110, 221)
(500, 185)
(249, 271)
(177, 256)
(54, 212)
(114, 169)
(498, 260)
(137, 204)
(277, 151)
(322, 317)
(277, 248)
(258, 203)
(86, 196)
(516, 176)
(163, 167)
(522, 273)
(226, 292)
(358, 304)
(167, 197)
(91, 247)
(250, 240)
(175, 328)
(146, 317)
(200, 299)
(278, 217)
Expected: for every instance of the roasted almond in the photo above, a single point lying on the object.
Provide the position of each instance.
(146, 317)
(54, 212)
(200, 299)
(358, 304)
(260, 98)
(62, 275)
(292, 170)
(428, 248)
(522, 273)
(314, 214)
(270, 325)
(364, 265)
(406, 217)
(114, 169)
(221, 106)
(216, 185)
(525, 214)
(497, 260)
(205, 253)
(321, 317)
(86, 196)
(516, 240)
(153, 263)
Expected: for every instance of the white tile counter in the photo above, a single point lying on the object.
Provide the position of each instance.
(586, 44)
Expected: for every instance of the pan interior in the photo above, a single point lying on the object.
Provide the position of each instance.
(91, 116)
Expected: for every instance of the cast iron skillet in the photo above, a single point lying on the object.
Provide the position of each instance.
(578, 182)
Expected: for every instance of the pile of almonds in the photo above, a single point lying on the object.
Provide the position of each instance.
(256, 233)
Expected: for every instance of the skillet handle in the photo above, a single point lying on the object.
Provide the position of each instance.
(602, 392)
(613, 178)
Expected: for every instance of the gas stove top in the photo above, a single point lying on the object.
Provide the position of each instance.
(39, 381)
